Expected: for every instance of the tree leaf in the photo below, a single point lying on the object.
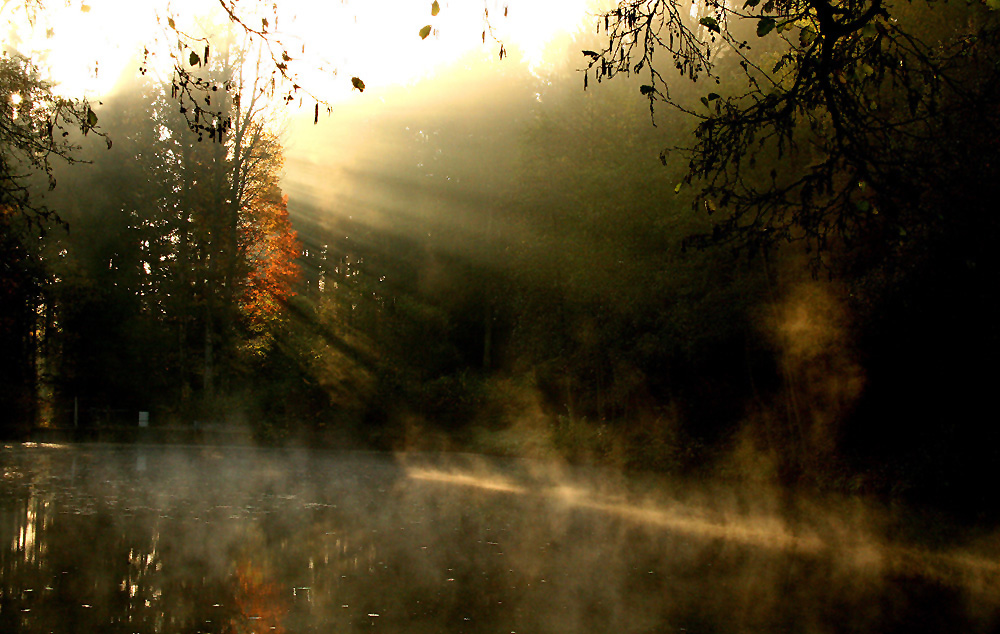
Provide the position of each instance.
(710, 23)
(764, 26)
(91, 118)
(646, 90)
(435, 8)
(194, 59)
(424, 32)
(807, 36)
(171, 24)
(677, 188)
(357, 83)
(712, 96)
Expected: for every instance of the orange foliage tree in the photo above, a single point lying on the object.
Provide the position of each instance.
(271, 247)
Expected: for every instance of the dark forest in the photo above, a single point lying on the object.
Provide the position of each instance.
(746, 242)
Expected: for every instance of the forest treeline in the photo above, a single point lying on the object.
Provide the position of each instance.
(157, 267)
(523, 280)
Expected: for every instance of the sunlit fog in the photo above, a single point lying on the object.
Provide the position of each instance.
(552, 316)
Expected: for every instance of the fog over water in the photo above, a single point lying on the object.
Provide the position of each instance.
(150, 539)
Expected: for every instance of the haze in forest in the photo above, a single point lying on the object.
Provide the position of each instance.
(479, 240)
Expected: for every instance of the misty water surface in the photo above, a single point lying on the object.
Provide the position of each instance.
(152, 539)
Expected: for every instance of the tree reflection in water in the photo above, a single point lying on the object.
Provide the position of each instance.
(261, 604)
(218, 541)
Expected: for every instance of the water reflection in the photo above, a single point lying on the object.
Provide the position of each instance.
(224, 541)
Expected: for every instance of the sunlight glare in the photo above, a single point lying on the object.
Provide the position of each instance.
(85, 46)
(380, 42)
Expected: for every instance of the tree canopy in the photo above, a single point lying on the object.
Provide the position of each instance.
(35, 129)
(842, 124)
(828, 121)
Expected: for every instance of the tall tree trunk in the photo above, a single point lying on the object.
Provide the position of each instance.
(488, 336)
(209, 369)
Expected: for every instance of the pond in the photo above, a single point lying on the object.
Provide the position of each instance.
(141, 539)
